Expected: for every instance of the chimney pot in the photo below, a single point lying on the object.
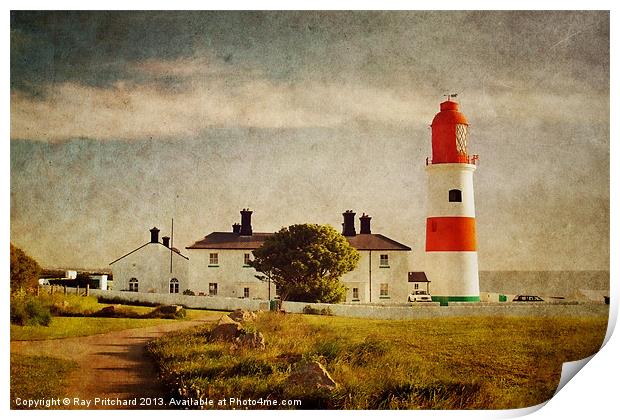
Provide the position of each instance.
(236, 228)
(154, 235)
(166, 241)
(348, 227)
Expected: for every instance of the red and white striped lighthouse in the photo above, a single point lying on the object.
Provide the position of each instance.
(451, 253)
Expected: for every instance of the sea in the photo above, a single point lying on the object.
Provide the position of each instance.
(543, 283)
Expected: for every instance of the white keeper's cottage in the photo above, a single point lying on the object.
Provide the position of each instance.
(154, 267)
(219, 264)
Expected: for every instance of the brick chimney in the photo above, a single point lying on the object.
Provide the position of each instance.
(348, 227)
(246, 222)
(166, 241)
(365, 224)
(154, 235)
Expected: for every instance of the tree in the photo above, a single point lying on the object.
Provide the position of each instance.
(24, 270)
(306, 262)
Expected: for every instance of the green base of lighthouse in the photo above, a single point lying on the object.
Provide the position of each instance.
(444, 300)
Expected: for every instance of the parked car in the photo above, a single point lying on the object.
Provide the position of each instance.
(419, 296)
(527, 298)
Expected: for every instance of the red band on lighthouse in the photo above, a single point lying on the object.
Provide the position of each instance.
(450, 234)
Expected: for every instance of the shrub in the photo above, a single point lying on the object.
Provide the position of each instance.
(314, 311)
(117, 312)
(24, 270)
(29, 310)
(70, 305)
(188, 292)
(120, 300)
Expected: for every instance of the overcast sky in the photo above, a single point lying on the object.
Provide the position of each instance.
(121, 121)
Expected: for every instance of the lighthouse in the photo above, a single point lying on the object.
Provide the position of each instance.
(451, 252)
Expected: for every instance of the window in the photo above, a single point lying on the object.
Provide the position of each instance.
(461, 139)
(213, 258)
(356, 293)
(246, 259)
(133, 284)
(455, 196)
(246, 292)
(383, 292)
(384, 260)
(212, 289)
(174, 286)
(416, 286)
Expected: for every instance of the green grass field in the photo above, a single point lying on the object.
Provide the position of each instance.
(444, 363)
(63, 327)
(37, 378)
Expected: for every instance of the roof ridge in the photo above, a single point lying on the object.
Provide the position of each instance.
(142, 246)
(232, 240)
(392, 240)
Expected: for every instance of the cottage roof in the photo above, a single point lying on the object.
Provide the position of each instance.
(176, 251)
(375, 242)
(231, 240)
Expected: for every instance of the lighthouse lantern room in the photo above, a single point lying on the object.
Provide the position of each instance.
(451, 252)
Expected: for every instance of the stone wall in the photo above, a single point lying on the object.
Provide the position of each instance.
(414, 311)
(193, 302)
(433, 310)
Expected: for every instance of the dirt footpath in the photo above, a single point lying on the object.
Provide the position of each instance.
(111, 365)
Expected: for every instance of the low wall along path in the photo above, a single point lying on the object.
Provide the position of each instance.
(412, 311)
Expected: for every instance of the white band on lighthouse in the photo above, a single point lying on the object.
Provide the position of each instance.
(441, 179)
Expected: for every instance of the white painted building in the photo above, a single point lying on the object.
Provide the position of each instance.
(154, 267)
(101, 281)
(219, 264)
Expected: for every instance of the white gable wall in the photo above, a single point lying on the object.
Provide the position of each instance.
(151, 266)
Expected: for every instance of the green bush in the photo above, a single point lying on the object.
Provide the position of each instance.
(118, 311)
(188, 292)
(314, 311)
(70, 305)
(29, 310)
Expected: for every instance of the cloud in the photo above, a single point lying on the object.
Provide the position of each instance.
(208, 97)
(210, 93)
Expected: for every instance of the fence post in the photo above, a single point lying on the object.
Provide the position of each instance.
(52, 289)
(77, 289)
(87, 289)
(64, 289)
